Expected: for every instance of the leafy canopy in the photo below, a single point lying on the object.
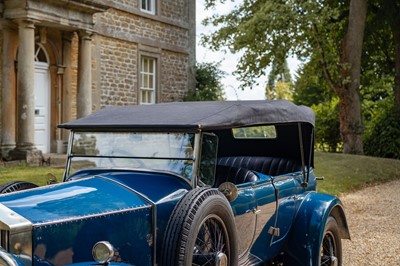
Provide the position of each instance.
(267, 31)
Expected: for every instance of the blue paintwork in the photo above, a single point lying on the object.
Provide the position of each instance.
(72, 216)
(72, 199)
(127, 201)
(127, 207)
(305, 238)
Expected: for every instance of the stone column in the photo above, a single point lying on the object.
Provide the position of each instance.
(84, 95)
(8, 94)
(26, 89)
(67, 96)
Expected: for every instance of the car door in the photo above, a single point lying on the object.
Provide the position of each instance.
(244, 208)
(264, 192)
(286, 189)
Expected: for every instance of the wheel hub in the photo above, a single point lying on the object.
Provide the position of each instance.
(334, 261)
(221, 259)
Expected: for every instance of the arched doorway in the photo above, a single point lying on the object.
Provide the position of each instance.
(42, 99)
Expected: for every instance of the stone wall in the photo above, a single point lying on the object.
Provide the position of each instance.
(123, 36)
(131, 27)
(174, 76)
(118, 81)
(175, 10)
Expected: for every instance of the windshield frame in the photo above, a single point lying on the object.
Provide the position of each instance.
(191, 179)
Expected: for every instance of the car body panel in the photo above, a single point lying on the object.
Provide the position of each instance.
(305, 238)
(72, 200)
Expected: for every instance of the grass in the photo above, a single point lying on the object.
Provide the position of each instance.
(33, 174)
(343, 173)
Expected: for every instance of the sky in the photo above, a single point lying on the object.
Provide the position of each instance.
(227, 60)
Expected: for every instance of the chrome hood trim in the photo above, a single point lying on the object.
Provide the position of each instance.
(12, 221)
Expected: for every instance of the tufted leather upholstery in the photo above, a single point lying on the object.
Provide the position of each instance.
(267, 165)
(233, 174)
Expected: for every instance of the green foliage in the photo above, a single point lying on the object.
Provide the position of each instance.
(267, 31)
(280, 91)
(327, 134)
(383, 137)
(279, 84)
(208, 83)
(310, 87)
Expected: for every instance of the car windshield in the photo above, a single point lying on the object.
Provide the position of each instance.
(171, 152)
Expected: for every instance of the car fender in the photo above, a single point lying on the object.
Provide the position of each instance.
(304, 240)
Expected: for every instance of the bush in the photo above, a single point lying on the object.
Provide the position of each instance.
(383, 138)
(327, 132)
(208, 83)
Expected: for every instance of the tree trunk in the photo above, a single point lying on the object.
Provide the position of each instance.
(351, 127)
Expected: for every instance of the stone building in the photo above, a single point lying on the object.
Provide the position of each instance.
(63, 59)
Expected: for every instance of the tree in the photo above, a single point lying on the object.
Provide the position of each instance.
(267, 31)
(279, 84)
(208, 83)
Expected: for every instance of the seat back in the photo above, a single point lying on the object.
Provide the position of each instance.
(272, 166)
(233, 174)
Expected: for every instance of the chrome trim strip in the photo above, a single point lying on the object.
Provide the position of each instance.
(69, 152)
(76, 218)
(196, 161)
(12, 221)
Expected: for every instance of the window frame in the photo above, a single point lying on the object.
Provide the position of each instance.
(151, 77)
(152, 5)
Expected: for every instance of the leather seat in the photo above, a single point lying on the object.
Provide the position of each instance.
(267, 165)
(233, 174)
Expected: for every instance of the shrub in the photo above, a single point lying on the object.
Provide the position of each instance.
(383, 138)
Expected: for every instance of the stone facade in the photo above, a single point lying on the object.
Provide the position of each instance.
(85, 55)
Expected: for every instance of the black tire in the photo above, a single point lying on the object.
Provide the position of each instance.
(331, 246)
(189, 239)
(16, 186)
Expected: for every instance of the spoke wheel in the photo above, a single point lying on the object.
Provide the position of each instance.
(212, 243)
(201, 231)
(331, 246)
(16, 186)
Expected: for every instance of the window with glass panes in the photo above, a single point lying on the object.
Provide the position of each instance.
(148, 80)
(148, 6)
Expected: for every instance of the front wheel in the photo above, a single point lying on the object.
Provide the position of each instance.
(331, 246)
(201, 231)
(16, 186)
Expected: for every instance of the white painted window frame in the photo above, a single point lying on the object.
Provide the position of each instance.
(150, 6)
(148, 80)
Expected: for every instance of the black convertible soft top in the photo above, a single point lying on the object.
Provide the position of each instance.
(195, 115)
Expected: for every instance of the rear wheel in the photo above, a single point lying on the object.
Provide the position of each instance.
(16, 186)
(331, 246)
(201, 231)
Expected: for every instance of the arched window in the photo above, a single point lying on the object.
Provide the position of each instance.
(40, 54)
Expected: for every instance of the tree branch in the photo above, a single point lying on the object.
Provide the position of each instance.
(327, 74)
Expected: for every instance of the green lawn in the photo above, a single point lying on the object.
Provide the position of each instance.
(346, 173)
(33, 174)
(343, 173)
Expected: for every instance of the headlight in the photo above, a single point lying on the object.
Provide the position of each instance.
(103, 252)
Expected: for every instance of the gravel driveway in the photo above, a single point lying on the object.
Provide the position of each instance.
(373, 215)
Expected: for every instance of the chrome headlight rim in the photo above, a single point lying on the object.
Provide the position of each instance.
(7, 258)
(103, 252)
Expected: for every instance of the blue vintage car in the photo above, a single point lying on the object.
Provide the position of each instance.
(192, 183)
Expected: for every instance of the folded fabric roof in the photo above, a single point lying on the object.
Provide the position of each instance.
(195, 115)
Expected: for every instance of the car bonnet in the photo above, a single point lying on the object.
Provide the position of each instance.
(73, 200)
